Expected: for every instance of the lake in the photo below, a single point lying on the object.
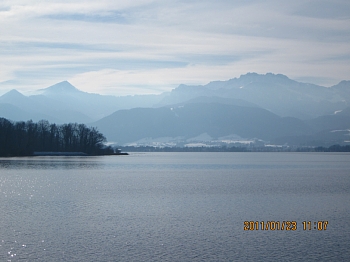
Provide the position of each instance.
(176, 207)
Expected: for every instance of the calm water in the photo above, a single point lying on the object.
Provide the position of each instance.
(174, 207)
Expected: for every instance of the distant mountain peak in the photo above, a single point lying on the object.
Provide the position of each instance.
(12, 94)
(342, 84)
(61, 87)
(14, 97)
(268, 76)
(14, 91)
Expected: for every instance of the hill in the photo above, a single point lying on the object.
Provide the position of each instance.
(193, 119)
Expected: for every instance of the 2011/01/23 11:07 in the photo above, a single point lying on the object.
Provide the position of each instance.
(284, 225)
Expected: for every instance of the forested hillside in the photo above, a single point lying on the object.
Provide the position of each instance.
(25, 138)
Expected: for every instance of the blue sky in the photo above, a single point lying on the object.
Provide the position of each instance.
(150, 46)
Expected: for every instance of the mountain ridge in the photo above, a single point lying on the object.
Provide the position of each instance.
(309, 107)
(60, 87)
(190, 120)
(277, 93)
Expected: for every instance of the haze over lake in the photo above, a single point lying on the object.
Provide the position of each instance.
(174, 207)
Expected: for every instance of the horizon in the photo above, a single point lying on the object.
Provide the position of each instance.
(152, 46)
(35, 91)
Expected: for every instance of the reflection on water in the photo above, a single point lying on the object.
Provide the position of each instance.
(173, 207)
(49, 163)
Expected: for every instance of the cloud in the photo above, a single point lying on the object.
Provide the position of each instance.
(150, 81)
(329, 9)
(113, 17)
(148, 46)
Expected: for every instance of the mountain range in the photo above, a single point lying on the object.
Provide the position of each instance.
(276, 93)
(270, 108)
(63, 102)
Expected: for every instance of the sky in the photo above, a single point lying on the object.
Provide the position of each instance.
(122, 47)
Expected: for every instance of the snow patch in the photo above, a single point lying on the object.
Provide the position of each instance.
(157, 142)
(197, 145)
(201, 137)
(346, 130)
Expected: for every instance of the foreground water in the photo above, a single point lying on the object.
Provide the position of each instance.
(175, 207)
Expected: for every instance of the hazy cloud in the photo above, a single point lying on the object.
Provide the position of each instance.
(149, 46)
(111, 17)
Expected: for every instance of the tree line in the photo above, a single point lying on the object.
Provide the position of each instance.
(24, 138)
(333, 148)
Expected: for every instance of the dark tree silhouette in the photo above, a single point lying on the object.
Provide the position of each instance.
(24, 138)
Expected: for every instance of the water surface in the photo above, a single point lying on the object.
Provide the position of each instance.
(174, 207)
